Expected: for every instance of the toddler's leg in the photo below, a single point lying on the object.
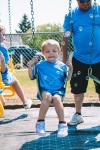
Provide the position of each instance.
(59, 107)
(40, 125)
(47, 99)
(62, 127)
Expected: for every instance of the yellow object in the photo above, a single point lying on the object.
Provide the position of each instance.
(1, 109)
(9, 94)
(11, 66)
(7, 88)
(3, 86)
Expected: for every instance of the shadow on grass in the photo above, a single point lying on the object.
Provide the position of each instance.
(77, 139)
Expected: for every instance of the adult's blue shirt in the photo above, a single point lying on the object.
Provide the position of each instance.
(81, 24)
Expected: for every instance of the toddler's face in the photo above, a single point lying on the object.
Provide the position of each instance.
(51, 53)
(2, 36)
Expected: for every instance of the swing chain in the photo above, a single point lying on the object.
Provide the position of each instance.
(69, 15)
(9, 12)
(91, 50)
(92, 38)
(32, 18)
(69, 28)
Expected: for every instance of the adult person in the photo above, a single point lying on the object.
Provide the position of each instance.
(84, 24)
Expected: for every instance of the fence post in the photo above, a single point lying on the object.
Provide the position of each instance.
(21, 60)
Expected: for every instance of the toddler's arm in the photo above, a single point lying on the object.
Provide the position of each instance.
(30, 67)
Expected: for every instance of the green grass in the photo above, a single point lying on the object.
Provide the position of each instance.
(22, 76)
(30, 89)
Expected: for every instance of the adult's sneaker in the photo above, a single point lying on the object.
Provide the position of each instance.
(62, 130)
(40, 128)
(76, 119)
(28, 104)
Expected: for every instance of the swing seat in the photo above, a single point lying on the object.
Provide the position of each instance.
(94, 78)
(6, 88)
(10, 92)
(90, 75)
(39, 96)
(1, 109)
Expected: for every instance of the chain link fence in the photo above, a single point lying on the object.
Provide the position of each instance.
(23, 48)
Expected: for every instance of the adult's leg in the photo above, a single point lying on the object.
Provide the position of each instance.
(77, 117)
(79, 82)
(78, 98)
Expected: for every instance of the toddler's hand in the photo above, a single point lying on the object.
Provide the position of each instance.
(33, 61)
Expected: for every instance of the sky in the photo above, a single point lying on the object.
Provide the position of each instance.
(45, 11)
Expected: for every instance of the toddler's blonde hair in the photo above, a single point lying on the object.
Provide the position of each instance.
(50, 42)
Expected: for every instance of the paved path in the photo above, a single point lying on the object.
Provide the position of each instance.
(17, 130)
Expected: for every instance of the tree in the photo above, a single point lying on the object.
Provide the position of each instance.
(43, 32)
(49, 28)
(24, 24)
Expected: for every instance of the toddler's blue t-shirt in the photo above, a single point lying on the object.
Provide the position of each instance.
(51, 75)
